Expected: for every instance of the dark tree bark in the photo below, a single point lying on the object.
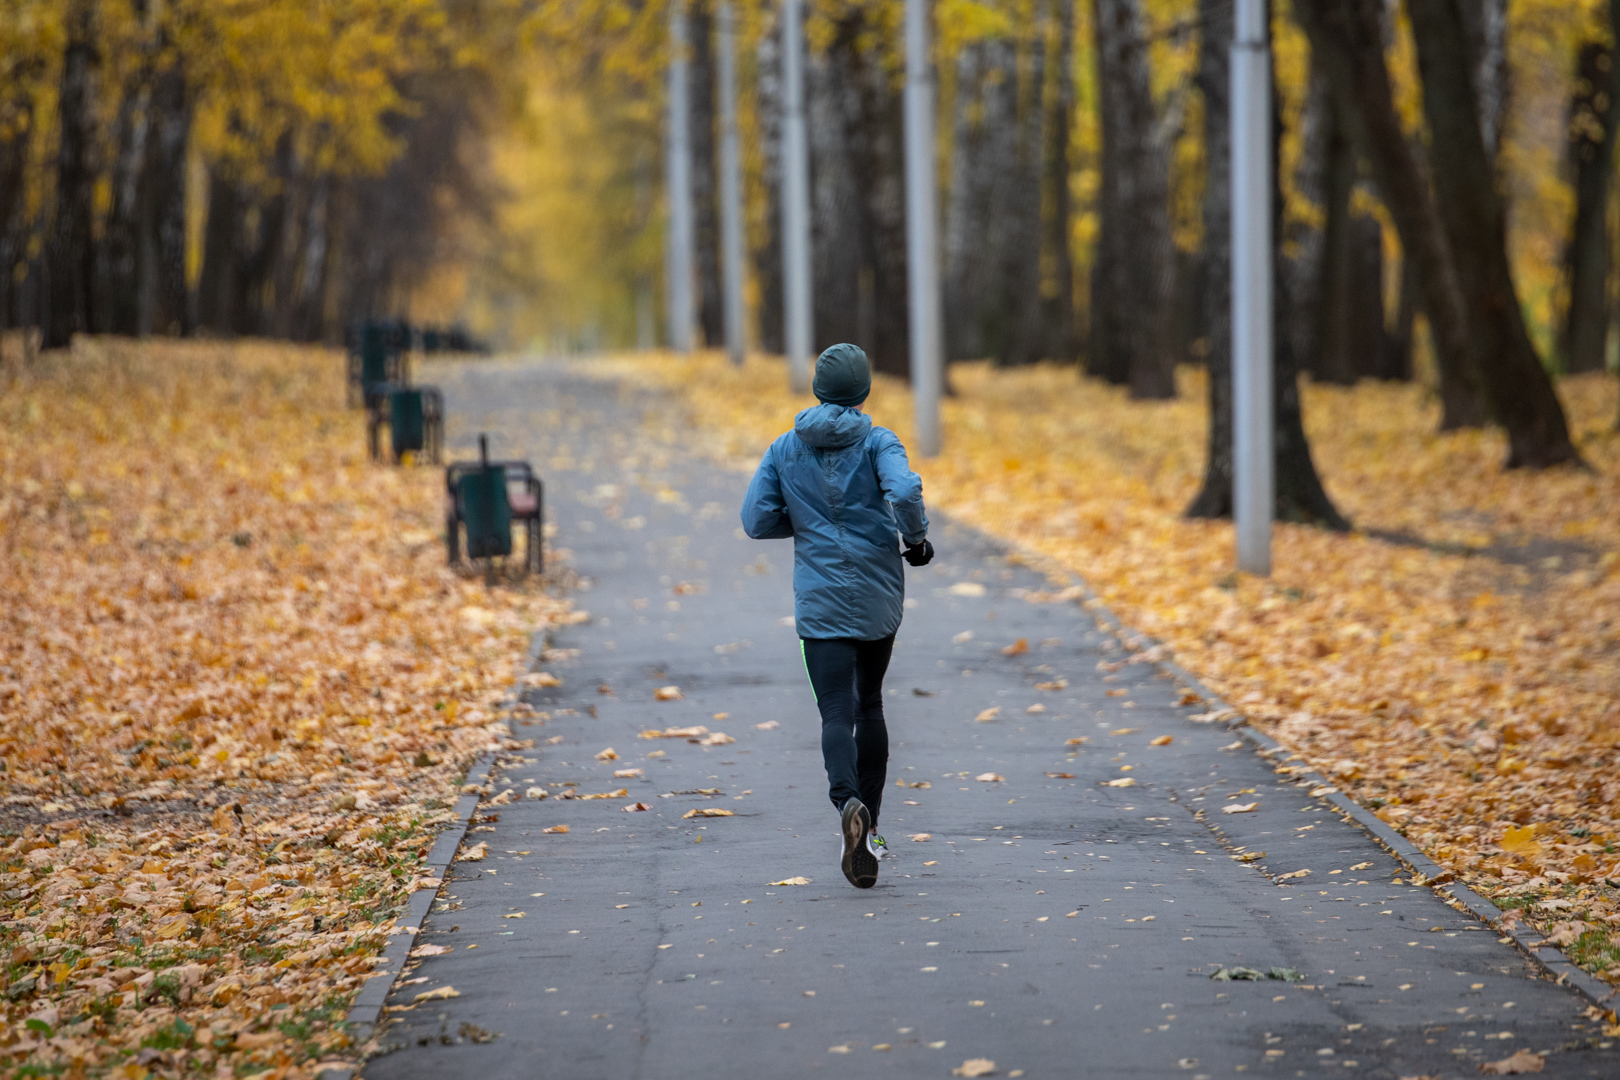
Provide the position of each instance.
(993, 216)
(257, 265)
(71, 259)
(1367, 343)
(1132, 277)
(164, 306)
(1398, 357)
(222, 235)
(1214, 499)
(857, 197)
(1299, 493)
(1057, 315)
(767, 251)
(1520, 393)
(1592, 131)
(1333, 357)
(705, 175)
(16, 127)
(1347, 43)
(118, 261)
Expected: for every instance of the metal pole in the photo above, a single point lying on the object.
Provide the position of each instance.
(678, 255)
(922, 248)
(1253, 457)
(796, 299)
(731, 219)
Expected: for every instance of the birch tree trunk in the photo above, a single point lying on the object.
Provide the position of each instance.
(1057, 289)
(71, 258)
(767, 253)
(1520, 393)
(1132, 283)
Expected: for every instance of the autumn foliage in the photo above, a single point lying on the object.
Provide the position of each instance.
(238, 689)
(1451, 663)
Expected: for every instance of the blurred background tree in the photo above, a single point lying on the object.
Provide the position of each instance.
(283, 167)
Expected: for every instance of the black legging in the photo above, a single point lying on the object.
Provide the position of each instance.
(847, 678)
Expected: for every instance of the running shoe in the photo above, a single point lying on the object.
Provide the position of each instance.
(860, 866)
(876, 845)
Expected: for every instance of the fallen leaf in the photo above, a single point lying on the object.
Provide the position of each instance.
(769, 725)
(515, 915)
(442, 993)
(706, 811)
(476, 853)
(1521, 841)
(636, 807)
(1162, 740)
(555, 829)
(921, 838)
(1017, 648)
(536, 793)
(718, 738)
(1123, 731)
(1055, 684)
(430, 950)
(1293, 875)
(667, 693)
(966, 588)
(989, 714)
(989, 778)
(542, 678)
(1061, 775)
(1124, 781)
(975, 1067)
(609, 754)
(621, 793)
(1078, 741)
(627, 774)
(1240, 808)
(1225, 974)
(790, 881)
(1522, 1061)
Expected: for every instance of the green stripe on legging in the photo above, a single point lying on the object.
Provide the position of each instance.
(806, 662)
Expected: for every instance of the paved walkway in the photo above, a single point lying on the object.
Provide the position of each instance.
(1046, 922)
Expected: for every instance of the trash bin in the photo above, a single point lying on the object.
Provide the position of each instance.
(405, 422)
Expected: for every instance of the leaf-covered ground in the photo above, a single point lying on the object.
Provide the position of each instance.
(1453, 664)
(238, 688)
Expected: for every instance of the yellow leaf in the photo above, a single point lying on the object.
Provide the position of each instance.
(1240, 808)
(1124, 781)
(706, 811)
(667, 693)
(1017, 648)
(791, 881)
(609, 754)
(989, 714)
(1162, 740)
(1521, 841)
(555, 829)
(441, 994)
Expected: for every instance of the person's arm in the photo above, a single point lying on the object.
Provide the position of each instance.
(764, 511)
(903, 489)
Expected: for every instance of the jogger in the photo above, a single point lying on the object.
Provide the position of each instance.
(847, 677)
(844, 491)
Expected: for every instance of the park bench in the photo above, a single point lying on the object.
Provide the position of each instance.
(380, 376)
(376, 359)
(485, 498)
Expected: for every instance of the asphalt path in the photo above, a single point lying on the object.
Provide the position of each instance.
(1033, 916)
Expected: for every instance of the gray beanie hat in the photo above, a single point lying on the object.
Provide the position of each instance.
(843, 376)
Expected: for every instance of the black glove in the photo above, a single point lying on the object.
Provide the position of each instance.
(919, 554)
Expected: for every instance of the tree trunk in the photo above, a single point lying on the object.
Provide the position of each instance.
(1057, 315)
(1347, 42)
(705, 176)
(15, 136)
(1333, 357)
(1520, 393)
(1214, 499)
(217, 285)
(1591, 150)
(1367, 343)
(993, 217)
(1132, 283)
(857, 197)
(767, 252)
(1398, 357)
(72, 260)
(1299, 493)
(164, 306)
(1485, 27)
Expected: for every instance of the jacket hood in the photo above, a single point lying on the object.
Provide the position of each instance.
(829, 427)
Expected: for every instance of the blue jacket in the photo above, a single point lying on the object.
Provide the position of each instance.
(842, 489)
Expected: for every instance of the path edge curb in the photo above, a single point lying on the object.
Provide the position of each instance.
(1549, 959)
(365, 1016)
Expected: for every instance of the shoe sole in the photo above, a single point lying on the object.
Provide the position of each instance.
(860, 866)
